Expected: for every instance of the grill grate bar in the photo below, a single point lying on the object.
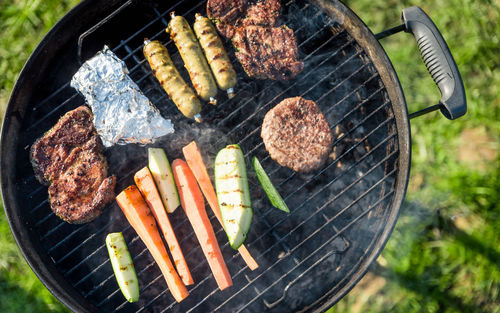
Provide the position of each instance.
(296, 209)
(147, 267)
(282, 92)
(143, 288)
(135, 258)
(53, 230)
(379, 201)
(100, 265)
(95, 251)
(46, 201)
(37, 190)
(43, 118)
(82, 243)
(301, 243)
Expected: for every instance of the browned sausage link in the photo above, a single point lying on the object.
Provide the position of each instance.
(194, 60)
(215, 53)
(164, 69)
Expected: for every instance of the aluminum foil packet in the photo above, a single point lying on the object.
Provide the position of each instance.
(122, 113)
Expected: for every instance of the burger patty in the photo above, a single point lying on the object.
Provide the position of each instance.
(68, 158)
(268, 52)
(296, 134)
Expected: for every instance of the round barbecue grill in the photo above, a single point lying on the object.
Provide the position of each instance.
(341, 215)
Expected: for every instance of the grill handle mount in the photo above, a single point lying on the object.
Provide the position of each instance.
(438, 60)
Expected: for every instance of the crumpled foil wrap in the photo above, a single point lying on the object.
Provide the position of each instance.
(122, 113)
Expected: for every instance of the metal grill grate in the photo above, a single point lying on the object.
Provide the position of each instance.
(336, 213)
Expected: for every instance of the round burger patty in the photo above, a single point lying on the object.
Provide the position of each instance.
(296, 134)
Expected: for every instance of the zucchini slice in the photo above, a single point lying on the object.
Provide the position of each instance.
(123, 266)
(233, 195)
(164, 179)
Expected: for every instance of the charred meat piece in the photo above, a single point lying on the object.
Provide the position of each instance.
(262, 13)
(296, 134)
(226, 13)
(268, 52)
(69, 159)
(230, 14)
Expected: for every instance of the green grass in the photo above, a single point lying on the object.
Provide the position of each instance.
(443, 255)
(23, 23)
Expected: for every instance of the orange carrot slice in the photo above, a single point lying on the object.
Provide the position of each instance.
(193, 204)
(139, 216)
(145, 182)
(197, 166)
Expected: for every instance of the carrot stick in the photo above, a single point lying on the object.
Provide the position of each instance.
(197, 166)
(145, 182)
(139, 216)
(193, 204)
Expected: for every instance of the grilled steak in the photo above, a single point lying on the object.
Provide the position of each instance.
(264, 50)
(230, 14)
(226, 13)
(262, 13)
(267, 52)
(69, 159)
(296, 134)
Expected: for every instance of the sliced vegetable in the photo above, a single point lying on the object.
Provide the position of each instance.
(162, 174)
(271, 192)
(139, 216)
(144, 181)
(232, 193)
(197, 166)
(193, 204)
(123, 266)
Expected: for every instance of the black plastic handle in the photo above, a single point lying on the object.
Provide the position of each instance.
(438, 60)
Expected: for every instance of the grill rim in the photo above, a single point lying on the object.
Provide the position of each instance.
(25, 234)
(366, 38)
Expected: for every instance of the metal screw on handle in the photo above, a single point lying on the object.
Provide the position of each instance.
(438, 60)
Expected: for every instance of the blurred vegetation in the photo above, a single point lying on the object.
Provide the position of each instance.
(443, 255)
(23, 23)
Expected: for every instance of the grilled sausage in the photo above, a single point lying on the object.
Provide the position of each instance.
(164, 69)
(194, 60)
(215, 53)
